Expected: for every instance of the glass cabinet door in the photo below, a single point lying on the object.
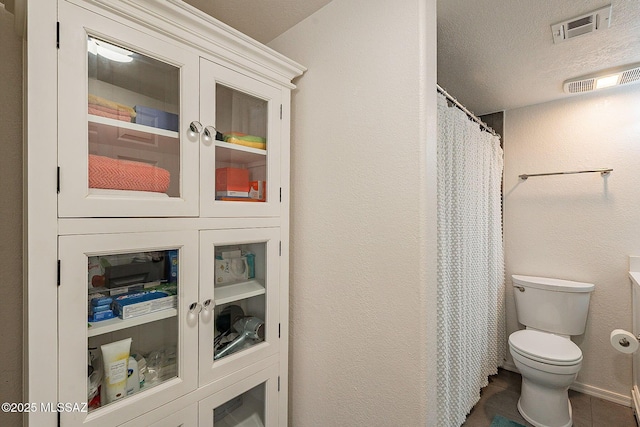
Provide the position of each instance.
(240, 159)
(127, 146)
(126, 329)
(251, 402)
(239, 286)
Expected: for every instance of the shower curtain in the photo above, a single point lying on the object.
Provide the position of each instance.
(471, 313)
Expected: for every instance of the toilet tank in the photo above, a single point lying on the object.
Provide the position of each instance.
(552, 305)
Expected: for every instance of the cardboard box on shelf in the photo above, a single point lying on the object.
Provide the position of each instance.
(258, 190)
(220, 194)
(231, 270)
(232, 179)
(134, 305)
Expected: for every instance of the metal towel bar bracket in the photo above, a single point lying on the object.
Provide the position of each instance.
(602, 172)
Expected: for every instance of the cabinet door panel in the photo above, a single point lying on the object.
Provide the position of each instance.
(187, 417)
(249, 402)
(240, 163)
(127, 98)
(123, 295)
(239, 277)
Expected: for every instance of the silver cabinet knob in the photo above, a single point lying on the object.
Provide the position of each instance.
(195, 308)
(208, 305)
(210, 132)
(195, 127)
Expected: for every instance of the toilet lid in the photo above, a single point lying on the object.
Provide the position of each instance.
(545, 347)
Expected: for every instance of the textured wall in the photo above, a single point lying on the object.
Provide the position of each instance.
(360, 306)
(578, 227)
(11, 214)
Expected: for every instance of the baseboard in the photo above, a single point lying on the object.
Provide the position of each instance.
(510, 367)
(618, 398)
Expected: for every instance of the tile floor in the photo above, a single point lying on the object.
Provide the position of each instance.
(500, 397)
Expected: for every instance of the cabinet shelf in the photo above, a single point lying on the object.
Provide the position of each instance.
(112, 325)
(132, 126)
(234, 153)
(231, 292)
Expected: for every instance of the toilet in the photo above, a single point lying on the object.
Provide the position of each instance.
(552, 310)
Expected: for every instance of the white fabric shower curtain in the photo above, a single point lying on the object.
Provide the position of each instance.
(471, 313)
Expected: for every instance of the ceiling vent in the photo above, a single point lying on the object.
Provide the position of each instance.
(586, 85)
(584, 24)
(607, 78)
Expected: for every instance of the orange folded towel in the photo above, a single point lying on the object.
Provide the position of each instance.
(114, 174)
(96, 100)
(108, 112)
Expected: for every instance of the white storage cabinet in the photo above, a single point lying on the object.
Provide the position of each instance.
(157, 215)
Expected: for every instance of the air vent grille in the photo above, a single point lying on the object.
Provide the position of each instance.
(584, 24)
(581, 86)
(630, 76)
(624, 74)
(580, 22)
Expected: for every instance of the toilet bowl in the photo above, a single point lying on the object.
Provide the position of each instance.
(548, 364)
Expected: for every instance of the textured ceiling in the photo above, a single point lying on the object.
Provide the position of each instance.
(499, 54)
(492, 54)
(260, 20)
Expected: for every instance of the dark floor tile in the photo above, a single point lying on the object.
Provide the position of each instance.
(506, 379)
(579, 422)
(483, 417)
(501, 401)
(487, 407)
(477, 418)
(580, 407)
(607, 414)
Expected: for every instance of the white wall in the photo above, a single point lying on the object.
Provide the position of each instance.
(363, 219)
(578, 227)
(11, 215)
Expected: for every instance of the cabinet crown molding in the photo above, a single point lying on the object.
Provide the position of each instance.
(183, 22)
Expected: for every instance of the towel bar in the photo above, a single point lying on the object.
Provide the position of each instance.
(603, 172)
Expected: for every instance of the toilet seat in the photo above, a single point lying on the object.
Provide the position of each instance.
(545, 348)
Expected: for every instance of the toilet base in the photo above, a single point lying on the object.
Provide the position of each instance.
(544, 406)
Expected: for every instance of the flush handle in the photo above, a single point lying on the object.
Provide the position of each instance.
(520, 288)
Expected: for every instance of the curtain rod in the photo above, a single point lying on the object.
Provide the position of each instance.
(467, 112)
